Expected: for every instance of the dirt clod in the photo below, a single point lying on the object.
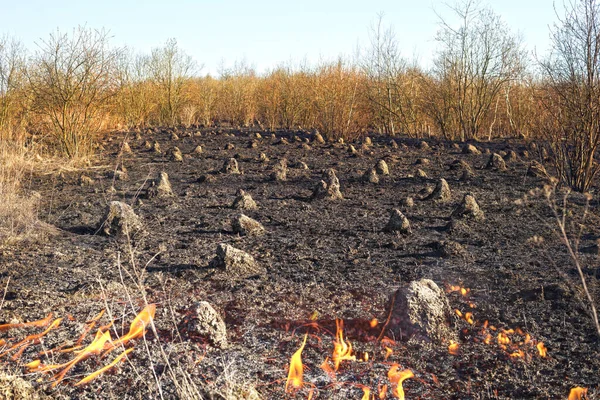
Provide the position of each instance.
(421, 311)
(328, 188)
(468, 208)
(370, 176)
(247, 226)
(237, 263)
(280, 171)
(398, 223)
(120, 219)
(441, 193)
(206, 322)
(496, 162)
(244, 201)
(160, 186)
(382, 168)
(230, 166)
(470, 149)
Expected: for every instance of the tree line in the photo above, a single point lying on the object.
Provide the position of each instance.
(482, 85)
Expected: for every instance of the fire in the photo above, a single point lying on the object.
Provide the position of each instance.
(469, 318)
(388, 353)
(31, 339)
(503, 339)
(517, 354)
(296, 369)
(455, 288)
(137, 328)
(38, 324)
(373, 323)
(578, 393)
(396, 378)
(102, 370)
(366, 393)
(453, 348)
(382, 391)
(542, 349)
(342, 349)
(94, 348)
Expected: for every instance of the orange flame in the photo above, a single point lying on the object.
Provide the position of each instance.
(542, 349)
(469, 318)
(388, 353)
(137, 328)
(517, 354)
(328, 370)
(102, 370)
(31, 339)
(453, 348)
(503, 339)
(93, 348)
(366, 393)
(578, 393)
(296, 369)
(38, 324)
(373, 323)
(382, 391)
(342, 350)
(396, 378)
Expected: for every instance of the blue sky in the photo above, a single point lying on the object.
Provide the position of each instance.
(262, 32)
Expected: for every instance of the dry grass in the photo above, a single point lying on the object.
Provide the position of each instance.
(18, 206)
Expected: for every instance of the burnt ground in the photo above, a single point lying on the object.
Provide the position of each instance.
(324, 260)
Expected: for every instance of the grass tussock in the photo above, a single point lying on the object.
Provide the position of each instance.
(18, 206)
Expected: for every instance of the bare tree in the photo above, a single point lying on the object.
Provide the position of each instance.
(573, 99)
(477, 58)
(12, 69)
(171, 68)
(71, 80)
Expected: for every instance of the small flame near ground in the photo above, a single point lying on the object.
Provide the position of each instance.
(294, 380)
(101, 344)
(396, 377)
(578, 393)
(453, 348)
(542, 349)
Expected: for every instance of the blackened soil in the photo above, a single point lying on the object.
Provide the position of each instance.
(325, 260)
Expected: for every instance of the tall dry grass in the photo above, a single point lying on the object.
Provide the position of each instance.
(18, 205)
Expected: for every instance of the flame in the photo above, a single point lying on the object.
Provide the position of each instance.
(93, 348)
(366, 393)
(503, 339)
(453, 348)
(388, 353)
(382, 391)
(327, 369)
(578, 393)
(373, 323)
(517, 354)
(31, 339)
(396, 378)
(469, 318)
(542, 349)
(527, 338)
(137, 328)
(455, 288)
(296, 369)
(93, 375)
(342, 350)
(488, 339)
(38, 324)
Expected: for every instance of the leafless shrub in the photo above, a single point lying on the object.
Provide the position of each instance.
(71, 80)
(573, 94)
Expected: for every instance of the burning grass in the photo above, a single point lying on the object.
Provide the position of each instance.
(99, 347)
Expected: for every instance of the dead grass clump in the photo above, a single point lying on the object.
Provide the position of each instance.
(18, 209)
